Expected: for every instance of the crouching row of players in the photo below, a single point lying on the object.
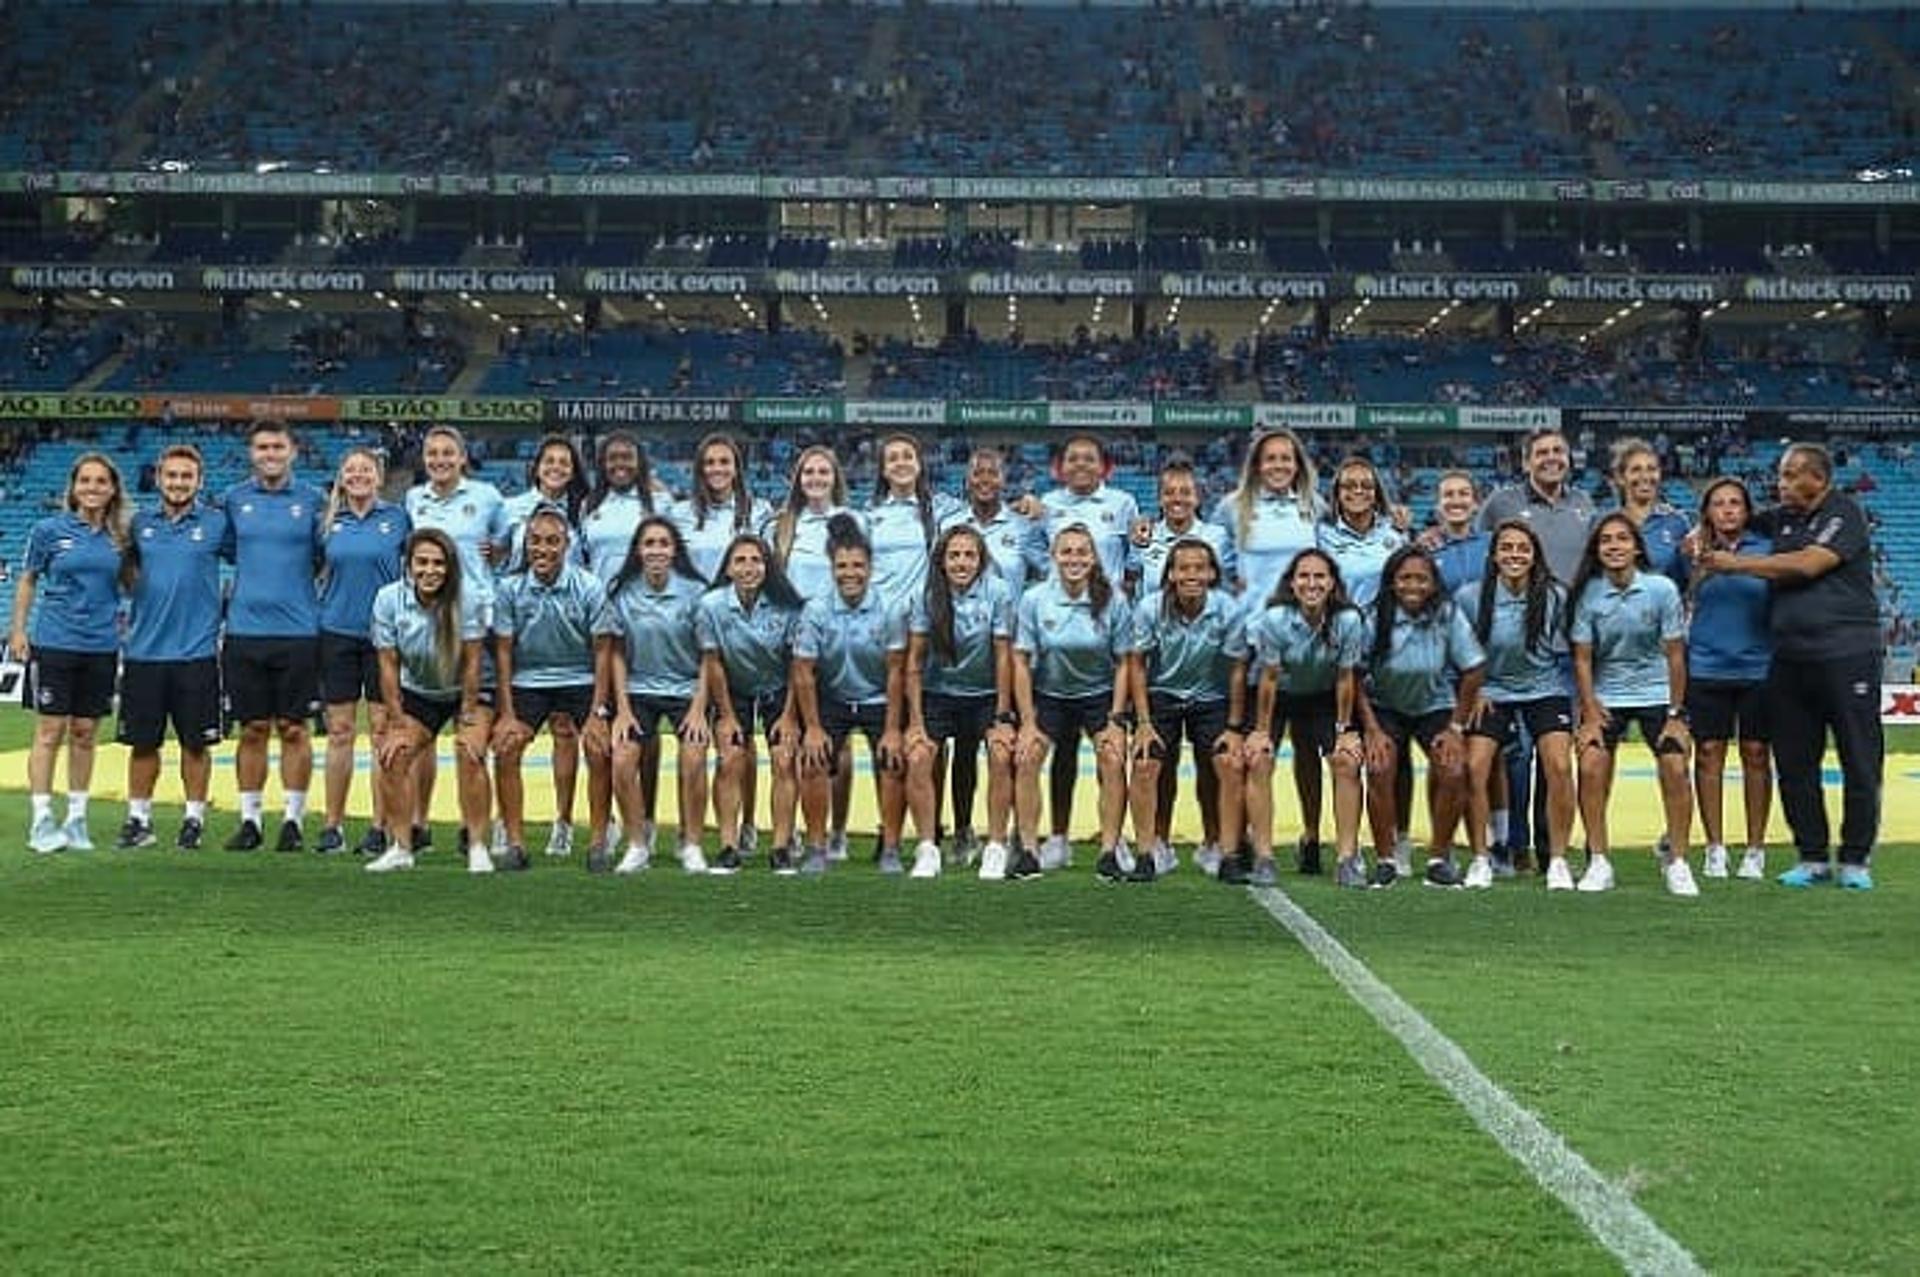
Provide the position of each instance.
(967, 667)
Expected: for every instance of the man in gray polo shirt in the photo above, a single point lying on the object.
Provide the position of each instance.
(1560, 514)
(1827, 652)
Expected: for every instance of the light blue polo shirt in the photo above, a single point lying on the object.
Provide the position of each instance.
(551, 625)
(401, 624)
(981, 614)
(1461, 560)
(606, 532)
(175, 603)
(1109, 513)
(708, 533)
(1425, 656)
(76, 568)
(1361, 555)
(754, 647)
(901, 544)
(1628, 626)
(1309, 660)
(807, 565)
(472, 514)
(1277, 529)
(1189, 659)
(657, 627)
(1011, 543)
(1073, 653)
(1517, 672)
(274, 543)
(362, 553)
(848, 644)
(519, 508)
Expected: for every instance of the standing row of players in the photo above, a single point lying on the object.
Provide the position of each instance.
(607, 612)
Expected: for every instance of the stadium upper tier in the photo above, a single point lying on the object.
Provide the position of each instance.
(946, 90)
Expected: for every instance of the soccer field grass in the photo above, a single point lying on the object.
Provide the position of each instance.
(280, 1062)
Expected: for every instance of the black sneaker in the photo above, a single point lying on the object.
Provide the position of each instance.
(727, 862)
(1308, 858)
(1383, 875)
(135, 833)
(290, 839)
(332, 841)
(191, 831)
(1143, 870)
(780, 860)
(422, 839)
(515, 861)
(599, 859)
(1025, 865)
(1443, 873)
(245, 838)
(1234, 871)
(1108, 869)
(372, 843)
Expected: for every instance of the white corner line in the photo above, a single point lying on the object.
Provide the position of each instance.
(1609, 1213)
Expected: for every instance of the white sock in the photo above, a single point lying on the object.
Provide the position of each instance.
(1497, 826)
(296, 805)
(76, 807)
(197, 810)
(140, 809)
(250, 806)
(42, 806)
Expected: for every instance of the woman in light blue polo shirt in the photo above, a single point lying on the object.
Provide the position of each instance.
(428, 629)
(744, 626)
(653, 678)
(1519, 615)
(720, 507)
(1272, 515)
(1729, 655)
(77, 565)
(904, 520)
(1629, 666)
(1072, 637)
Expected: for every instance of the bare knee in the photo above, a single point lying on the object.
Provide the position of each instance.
(83, 732)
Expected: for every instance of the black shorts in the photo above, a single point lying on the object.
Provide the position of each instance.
(435, 714)
(349, 670)
(755, 712)
(535, 705)
(966, 719)
(1064, 719)
(1425, 728)
(842, 719)
(1717, 710)
(1652, 720)
(269, 678)
(650, 711)
(184, 693)
(1543, 717)
(1313, 716)
(1200, 722)
(63, 684)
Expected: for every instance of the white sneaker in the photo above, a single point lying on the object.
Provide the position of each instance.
(837, 847)
(1753, 864)
(498, 842)
(926, 860)
(993, 862)
(78, 836)
(479, 859)
(1716, 866)
(1680, 878)
(648, 836)
(1403, 857)
(691, 859)
(1165, 860)
(1056, 853)
(1599, 875)
(560, 839)
(389, 860)
(637, 860)
(47, 837)
(1208, 860)
(1123, 852)
(1559, 876)
(1480, 873)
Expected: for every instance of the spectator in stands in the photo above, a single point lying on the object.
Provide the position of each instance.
(81, 558)
(1826, 663)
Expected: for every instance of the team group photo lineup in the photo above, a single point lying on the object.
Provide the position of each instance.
(1298, 621)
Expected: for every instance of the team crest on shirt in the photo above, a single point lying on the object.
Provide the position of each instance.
(246, 507)
(469, 509)
(295, 510)
(197, 534)
(44, 697)
(1051, 623)
(62, 545)
(386, 528)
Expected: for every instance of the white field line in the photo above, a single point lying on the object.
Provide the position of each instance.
(1609, 1213)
